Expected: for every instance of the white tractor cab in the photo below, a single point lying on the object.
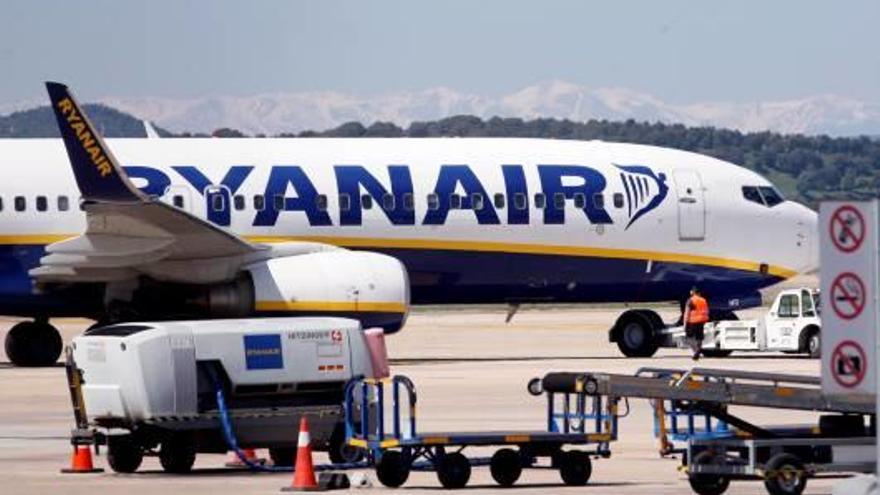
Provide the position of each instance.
(791, 325)
(156, 388)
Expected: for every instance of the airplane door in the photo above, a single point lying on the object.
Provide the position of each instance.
(691, 206)
(218, 200)
(178, 196)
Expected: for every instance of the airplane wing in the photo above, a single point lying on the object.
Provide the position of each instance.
(128, 232)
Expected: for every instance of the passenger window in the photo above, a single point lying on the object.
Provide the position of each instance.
(433, 202)
(580, 200)
(618, 200)
(599, 201)
(42, 203)
(454, 201)
(807, 303)
(388, 201)
(177, 200)
(63, 203)
(218, 202)
(477, 201)
(519, 201)
(1, 204)
(344, 202)
(788, 306)
(20, 203)
(259, 202)
(540, 201)
(321, 202)
(278, 202)
(559, 200)
(751, 194)
(238, 200)
(366, 201)
(499, 200)
(409, 202)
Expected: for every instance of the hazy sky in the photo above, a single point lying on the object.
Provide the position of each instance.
(681, 51)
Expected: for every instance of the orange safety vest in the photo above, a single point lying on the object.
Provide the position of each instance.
(699, 310)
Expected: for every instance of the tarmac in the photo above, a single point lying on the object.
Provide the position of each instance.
(471, 370)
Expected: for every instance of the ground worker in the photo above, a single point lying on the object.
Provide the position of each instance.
(696, 314)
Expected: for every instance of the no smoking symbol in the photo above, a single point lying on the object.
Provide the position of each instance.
(848, 364)
(847, 228)
(848, 295)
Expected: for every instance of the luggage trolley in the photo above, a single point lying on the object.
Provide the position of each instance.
(573, 418)
(784, 457)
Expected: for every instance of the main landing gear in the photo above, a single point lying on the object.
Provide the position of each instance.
(33, 343)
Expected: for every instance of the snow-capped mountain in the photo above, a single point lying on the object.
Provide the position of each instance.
(293, 112)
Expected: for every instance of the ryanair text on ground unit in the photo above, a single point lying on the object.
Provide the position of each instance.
(289, 189)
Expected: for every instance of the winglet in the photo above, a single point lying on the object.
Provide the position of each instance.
(98, 174)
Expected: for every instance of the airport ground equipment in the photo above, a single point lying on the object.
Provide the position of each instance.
(153, 388)
(394, 442)
(792, 324)
(784, 457)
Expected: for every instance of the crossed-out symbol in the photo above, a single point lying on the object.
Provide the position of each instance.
(848, 364)
(847, 228)
(848, 295)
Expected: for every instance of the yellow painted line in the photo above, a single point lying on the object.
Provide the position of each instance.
(785, 391)
(435, 440)
(388, 443)
(332, 306)
(476, 246)
(521, 248)
(354, 442)
(517, 438)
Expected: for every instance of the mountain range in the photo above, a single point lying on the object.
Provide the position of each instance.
(274, 113)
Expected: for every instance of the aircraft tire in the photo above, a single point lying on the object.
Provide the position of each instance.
(635, 337)
(33, 344)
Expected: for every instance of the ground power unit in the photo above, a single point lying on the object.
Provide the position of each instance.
(153, 388)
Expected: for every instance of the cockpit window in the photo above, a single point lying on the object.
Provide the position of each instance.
(771, 196)
(763, 195)
(751, 194)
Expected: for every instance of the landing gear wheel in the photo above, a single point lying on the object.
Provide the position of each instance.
(339, 451)
(282, 456)
(124, 454)
(704, 483)
(178, 453)
(506, 467)
(32, 344)
(453, 470)
(814, 345)
(392, 469)
(785, 475)
(636, 335)
(575, 468)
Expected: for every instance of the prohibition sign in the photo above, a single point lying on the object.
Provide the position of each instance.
(847, 228)
(848, 295)
(848, 364)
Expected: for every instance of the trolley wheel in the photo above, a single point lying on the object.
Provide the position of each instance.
(453, 470)
(282, 456)
(785, 475)
(339, 451)
(178, 453)
(575, 468)
(704, 483)
(124, 454)
(506, 467)
(392, 469)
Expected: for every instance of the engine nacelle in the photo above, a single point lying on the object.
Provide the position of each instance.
(370, 287)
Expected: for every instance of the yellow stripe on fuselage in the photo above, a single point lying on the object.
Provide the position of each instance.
(331, 306)
(477, 246)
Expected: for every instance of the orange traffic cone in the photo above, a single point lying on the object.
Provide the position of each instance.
(81, 461)
(304, 473)
(249, 454)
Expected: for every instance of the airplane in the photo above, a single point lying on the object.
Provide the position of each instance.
(206, 228)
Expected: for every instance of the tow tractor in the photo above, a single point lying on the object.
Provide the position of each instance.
(791, 325)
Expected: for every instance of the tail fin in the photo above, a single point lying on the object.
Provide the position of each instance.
(98, 174)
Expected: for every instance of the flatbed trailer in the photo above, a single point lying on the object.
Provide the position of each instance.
(573, 419)
(784, 457)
